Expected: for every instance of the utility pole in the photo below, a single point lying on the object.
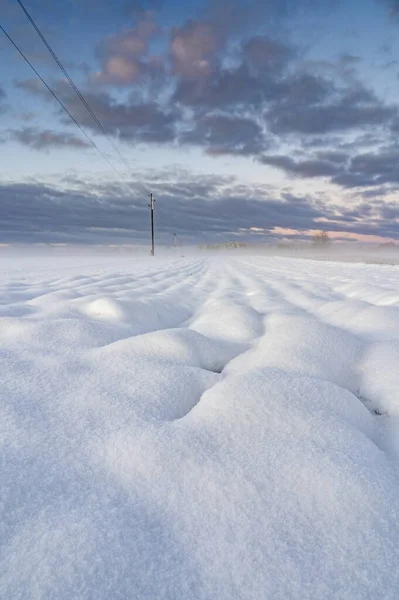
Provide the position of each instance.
(151, 205)
(174, 241)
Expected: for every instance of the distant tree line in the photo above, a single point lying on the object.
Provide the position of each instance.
(224, 245)
(321, 238)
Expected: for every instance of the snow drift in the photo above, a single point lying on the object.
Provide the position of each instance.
(200, 429)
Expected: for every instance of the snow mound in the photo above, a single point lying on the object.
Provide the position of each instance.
(379, 383)
(268, 472)
(58, 336)
(305, 346)
(104, 308)
(198, 429)
(228, 320)
(373, 323)
(178, 346)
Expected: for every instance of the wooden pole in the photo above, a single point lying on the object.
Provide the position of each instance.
(151, 205)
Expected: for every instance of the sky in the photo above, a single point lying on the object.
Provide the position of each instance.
(256, 121)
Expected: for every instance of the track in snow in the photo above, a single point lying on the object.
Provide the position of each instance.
(198, 429)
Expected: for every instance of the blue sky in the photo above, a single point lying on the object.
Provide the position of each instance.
(253, 122)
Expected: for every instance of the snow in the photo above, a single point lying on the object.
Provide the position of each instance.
(198, 428)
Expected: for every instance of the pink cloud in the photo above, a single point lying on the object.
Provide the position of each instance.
(125, 56)
(194, 48)
(120, 69)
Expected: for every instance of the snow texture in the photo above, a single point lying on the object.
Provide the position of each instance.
(199, 429)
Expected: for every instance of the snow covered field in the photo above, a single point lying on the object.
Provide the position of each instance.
(201, 428)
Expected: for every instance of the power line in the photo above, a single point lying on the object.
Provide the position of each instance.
(73, 85)
(58, 100)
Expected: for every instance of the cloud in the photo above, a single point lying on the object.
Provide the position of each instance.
(125, 58)
(139, 7)
(304, 168)
(25, 116)
(353, 109)
(194, 49)
(131, 121)
(371, 169)
(256, 78)
(276, 99)
(393, 6)
(333, 156)
(264, 53)
(363, 170)
(47, 139)
(226, 88)
(349, 60)
(230, 93)
(199, 208)
(139, 122)
(33, 86)
(268, 77)
(3, 105)
(221, 134)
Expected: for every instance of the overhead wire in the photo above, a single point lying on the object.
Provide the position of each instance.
(58, 100)
(73, 85)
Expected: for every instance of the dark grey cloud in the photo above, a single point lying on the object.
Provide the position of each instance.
(392, 5)
(302, 168)
(199, 208)
(208, 84)
(303, 89)
(363, 170)
(138, 7)
(237, 16)
(231, 91)
(222, 134)
(355, 109)
(264, 53)
(333, 156)
(242, 88)
(143, 122)
(309, 143)
(371, 169)
(225, 88)
(131, 121)
(292, 102)
(376, 137)
(349, 60)
(377, 192)
(25, 116)
(3, 96)
(388, 211)
(48, 139)
(33, 85)
(298, 102)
